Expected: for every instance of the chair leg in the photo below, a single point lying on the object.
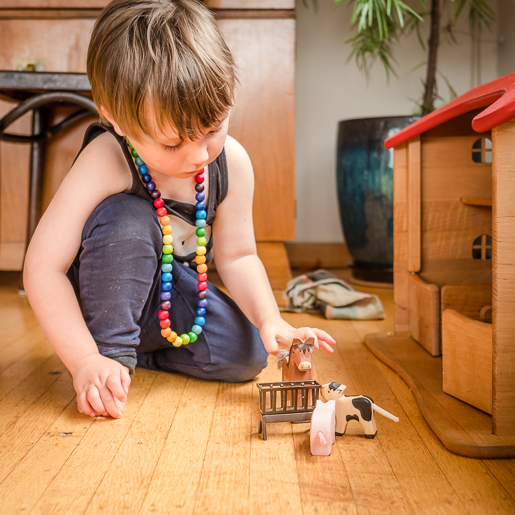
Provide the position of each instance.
(36, 177)
(37, 171)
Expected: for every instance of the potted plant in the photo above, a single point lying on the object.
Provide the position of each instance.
(364, 167)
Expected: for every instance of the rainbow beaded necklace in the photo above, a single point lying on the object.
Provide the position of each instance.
(166, 266)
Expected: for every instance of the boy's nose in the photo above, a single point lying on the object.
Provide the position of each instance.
(198, 156)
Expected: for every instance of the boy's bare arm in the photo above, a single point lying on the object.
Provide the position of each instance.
(97, 174)
(238, 264)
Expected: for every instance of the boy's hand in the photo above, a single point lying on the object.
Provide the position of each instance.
(279, 334)
(102, 385)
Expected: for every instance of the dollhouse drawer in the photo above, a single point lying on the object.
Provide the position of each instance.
(467, 359)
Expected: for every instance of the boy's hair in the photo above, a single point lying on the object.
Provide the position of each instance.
(166, 55)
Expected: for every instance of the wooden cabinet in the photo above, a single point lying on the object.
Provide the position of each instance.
(50, 5)
(261, 35)
(263, 120)
(61, 44)
(250, 4)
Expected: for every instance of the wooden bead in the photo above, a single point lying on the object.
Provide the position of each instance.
(177, 342)
(163, 315)
(200, 260)
(202, 286)
(159, 203)
(167, 229)
(202, 268)
(165, 323)
(165, 220)
(167, 258)
(201, 251)
(173, 335)
(167, 249)
(199, 178)
(185, 339)
(166, 277)
(202, 277)
(167, 239)
(161, 212)
(193, 336)
(201, 242)
(200, 232)
(166, 332)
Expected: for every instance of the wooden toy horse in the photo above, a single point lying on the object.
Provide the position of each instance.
(297, 364)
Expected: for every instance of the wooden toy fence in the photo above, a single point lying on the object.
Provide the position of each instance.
(287, 402)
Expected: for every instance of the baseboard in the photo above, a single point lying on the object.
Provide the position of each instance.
(309, 256)
(317, 255)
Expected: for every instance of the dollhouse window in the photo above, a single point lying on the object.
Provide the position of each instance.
(482, 247)
(482, 150)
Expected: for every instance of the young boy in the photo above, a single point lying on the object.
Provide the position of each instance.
(98, 272)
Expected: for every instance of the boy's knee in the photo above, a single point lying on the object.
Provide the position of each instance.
(244, 372)
(246, 368)
(124, 217)
(237, 373)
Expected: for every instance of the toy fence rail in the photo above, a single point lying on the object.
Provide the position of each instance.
(287, 402)
(288, 397)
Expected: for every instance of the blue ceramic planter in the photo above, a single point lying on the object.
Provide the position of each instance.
(365, 193)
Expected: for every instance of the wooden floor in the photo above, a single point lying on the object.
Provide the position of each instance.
(190, 446)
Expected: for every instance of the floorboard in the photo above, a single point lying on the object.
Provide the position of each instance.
(274, 478)
(471, 479)
(187, 446)
(176, 478)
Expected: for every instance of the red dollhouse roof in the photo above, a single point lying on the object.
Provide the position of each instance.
(498, 94)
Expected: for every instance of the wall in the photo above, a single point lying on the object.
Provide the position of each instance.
(329, 89)
(506, 37)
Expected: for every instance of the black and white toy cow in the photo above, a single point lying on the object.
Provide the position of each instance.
(353, 407)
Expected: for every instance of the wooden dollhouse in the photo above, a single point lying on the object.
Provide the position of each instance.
(454, 269)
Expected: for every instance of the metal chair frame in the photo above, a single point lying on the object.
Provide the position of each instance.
(39, 104)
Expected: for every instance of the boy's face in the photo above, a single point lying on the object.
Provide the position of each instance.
(166, 153)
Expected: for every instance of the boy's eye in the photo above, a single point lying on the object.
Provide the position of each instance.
(172, 149)
(169, 148)
(216, 131)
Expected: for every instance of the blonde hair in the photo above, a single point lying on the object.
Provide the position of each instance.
(166, 55)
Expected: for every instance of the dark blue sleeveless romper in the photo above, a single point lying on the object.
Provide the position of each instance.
(116, 276)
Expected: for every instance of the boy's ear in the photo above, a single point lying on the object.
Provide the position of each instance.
(110, 119)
